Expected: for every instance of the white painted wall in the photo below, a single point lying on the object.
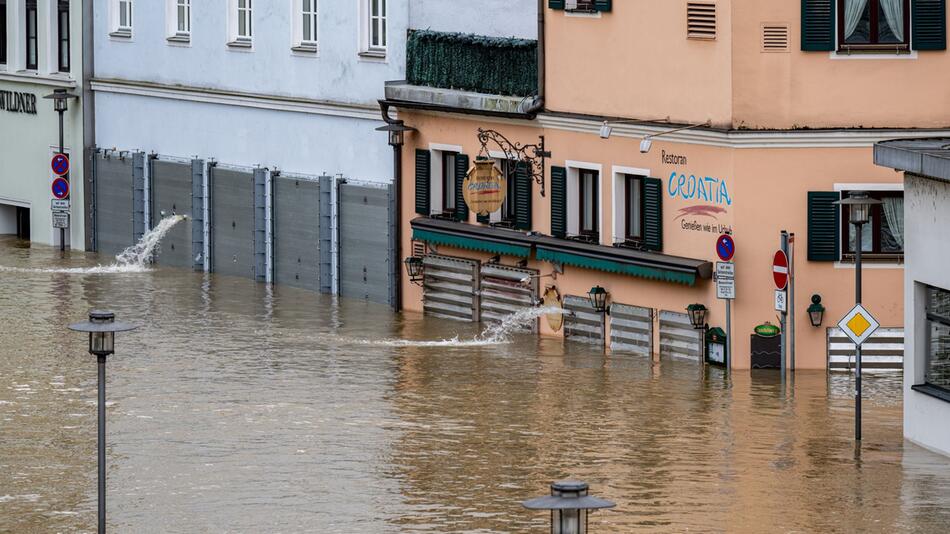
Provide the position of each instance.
(495, 18)
(926, 219)
(7, 219)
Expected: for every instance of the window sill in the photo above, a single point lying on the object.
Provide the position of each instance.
(179, 38)
(121, 34)
(241, 44)
(932, 391)
(378, 56)
(308, 49)
(582, 13)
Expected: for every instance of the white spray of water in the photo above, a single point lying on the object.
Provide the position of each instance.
(496, 334)
(134, 259)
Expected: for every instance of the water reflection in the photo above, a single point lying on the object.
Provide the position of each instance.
(247, 409)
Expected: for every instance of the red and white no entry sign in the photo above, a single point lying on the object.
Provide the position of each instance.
(780, 270)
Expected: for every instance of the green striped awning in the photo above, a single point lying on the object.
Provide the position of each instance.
(471, 242)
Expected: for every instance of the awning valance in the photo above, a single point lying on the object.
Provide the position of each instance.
(481, 238)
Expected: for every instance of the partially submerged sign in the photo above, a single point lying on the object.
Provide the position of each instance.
(552, 299)
(859, 324)
(485, 187)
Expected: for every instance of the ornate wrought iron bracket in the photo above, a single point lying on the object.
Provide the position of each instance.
(532, 156)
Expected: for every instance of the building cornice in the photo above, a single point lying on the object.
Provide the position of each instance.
(57, 81)
(236, 98)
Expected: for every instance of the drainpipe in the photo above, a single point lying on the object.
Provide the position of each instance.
(538, 103)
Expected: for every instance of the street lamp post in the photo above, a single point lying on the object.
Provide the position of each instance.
(60, 98)
(569, 504)
(102, 328)
(396, 131)
(859, 207)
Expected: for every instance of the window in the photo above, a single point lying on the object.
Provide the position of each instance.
(873, 24)
(589, 209)
(62, 21)
(308, 14)
(448, 182)
(240, 23)
(31, 38)
(244, 20)
(508, 211)
(883, 235)
(579, 5)
(937, 348)
(122, 26)
(374, 40)
(3, 32)
(633, 208)
(183, 17)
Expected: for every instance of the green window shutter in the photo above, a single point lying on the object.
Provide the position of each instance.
(824, 226)
(558, 201)
(653, 214)
(423, 172)
(818, 25)
(522, 198)
(603, 5)
(461, 169)
(556, 4)
(929, 24)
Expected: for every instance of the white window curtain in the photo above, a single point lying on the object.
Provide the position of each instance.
(894, 212)
(853, 9)
(894, 13)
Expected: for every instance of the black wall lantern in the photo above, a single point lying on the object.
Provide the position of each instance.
(414, 268)
(816, 312)
(598, 299)
(697, 315)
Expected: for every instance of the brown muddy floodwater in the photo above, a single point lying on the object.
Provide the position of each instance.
(236, 408)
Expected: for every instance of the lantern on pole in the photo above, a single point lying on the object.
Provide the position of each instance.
(570, 505)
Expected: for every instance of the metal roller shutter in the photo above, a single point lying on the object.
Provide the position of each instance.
(232, 222)
(113, 205)
(450, 287)
(582, 323)
(678, 338)
(297, 233)
(364, 243)
(503, 293)
(631, 329)
(171, 192)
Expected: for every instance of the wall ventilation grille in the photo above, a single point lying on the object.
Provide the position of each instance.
(701, 20)
(775, 37)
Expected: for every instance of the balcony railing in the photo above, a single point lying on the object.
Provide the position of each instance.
(498, 66)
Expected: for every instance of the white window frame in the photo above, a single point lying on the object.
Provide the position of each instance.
(301, 43)
(573, 202)
(120, 7)
(619, 195)
(235, 11)
(173, 33)
(435, 177)
(367, 23)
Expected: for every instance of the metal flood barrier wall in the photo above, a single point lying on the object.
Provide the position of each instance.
(503, 292)
(232, 222)
(114, 230)
(678, 338)
(170, 193)
(450, 287)
(583, 323)
(365, 230)
(631, 329)
(882, 351)
(297, 219)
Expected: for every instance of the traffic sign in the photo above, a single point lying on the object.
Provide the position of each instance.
(60, 188)
(725, 247)
(725, 280)
(859, 324)
(781, 301)
(59, 164)
(780, 270)
(60, 219)
(59, 204)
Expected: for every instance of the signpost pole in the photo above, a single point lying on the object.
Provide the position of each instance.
(62, 231)
(791, 299)
(782, 365)
(857, 346)
(728, 337)
(726, 288)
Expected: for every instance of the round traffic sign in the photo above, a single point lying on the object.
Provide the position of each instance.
(780, 270)
(725, 247)
(59, 164)
(60, 188)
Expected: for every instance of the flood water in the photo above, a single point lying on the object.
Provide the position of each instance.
(236, 408)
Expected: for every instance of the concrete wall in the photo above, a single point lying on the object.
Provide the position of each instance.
(495, 18)
(926, 219)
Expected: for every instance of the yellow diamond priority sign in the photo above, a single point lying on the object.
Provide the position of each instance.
(859, 324)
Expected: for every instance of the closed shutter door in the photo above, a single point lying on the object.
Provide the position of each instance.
(450, 287)
(929, 20)
(423, 172)
(113, 205)
(297, 232)
(558, 201)
(503, 293)
(678, 338)
(631, 329)
(522, 198)
(232, 222)
(818, 25)
(171, 193)
(653, 214)
(583, 323)
(824, 226)
(364, 243)
(461, 169)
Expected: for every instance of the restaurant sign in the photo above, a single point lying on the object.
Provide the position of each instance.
(16, 102)
(484, 187)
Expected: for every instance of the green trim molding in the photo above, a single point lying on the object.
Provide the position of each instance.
(599, 264)
(471, 243)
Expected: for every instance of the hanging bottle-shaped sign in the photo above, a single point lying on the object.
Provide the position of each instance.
(484, 187)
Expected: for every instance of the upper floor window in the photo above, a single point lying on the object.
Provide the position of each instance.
(178, 20)
(241, 23)
(305, 25)
(873, 24)
(448, 182)
(937, 347)
(62, 24)
(32, 42)
(121, 18)
(884, 233)
(3, 32)
(183, 16)
(588, 221)
(374, 27)
(633, 208)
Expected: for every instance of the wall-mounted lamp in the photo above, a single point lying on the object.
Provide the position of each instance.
(607, 128)
(816, 312)
(415, 269)
(598, 299)
(647, 143)
(397, 132)
(495, 260)
(697, 315)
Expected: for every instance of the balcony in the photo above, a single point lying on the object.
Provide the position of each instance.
(468, 72)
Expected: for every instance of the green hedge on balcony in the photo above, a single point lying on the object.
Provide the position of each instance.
(477, 63)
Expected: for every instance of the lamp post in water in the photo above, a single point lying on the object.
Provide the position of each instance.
(569, 504)
(102, 328)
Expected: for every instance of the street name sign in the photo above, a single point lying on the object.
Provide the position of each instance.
(858, 325)
(59, 204)
(781, 301)
(60, 219)
(780, 270)
(59, 164)
(725, 280)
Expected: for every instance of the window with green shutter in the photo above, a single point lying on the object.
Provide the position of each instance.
(423, 173)
(603, 5)
(556, 4)
(558, 202)
(653, 214)
(818, 25)
(824, 226)
(929, 24)
(522, 198)
(461, 170)
(582, 5)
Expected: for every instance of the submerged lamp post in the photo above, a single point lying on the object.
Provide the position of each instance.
(569, 504)
(60, 98)
(859, 207)
(598, 299)
(816, 312)
(102, 328)
(697, 318)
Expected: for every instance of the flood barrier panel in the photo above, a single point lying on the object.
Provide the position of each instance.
(631, 329)
(365, 243)
(297, 217)
(114, 230)
(884, 350)
(678, 338)
(450, 287)
(171, 194)
(582, 323)
(232, 222)
(503, 292)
